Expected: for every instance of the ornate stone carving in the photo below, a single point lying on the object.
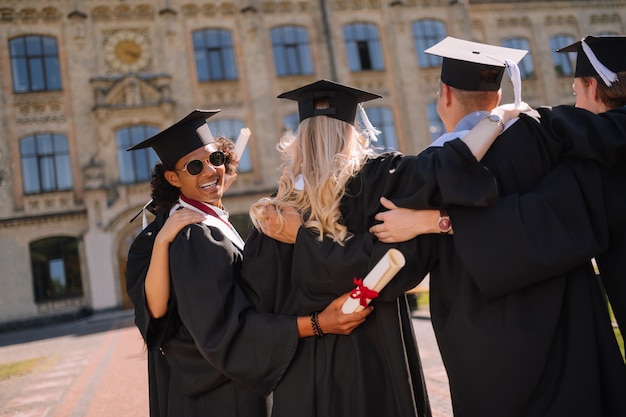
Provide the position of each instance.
(131, 90)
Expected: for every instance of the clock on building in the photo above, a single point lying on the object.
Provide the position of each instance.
(126, 51)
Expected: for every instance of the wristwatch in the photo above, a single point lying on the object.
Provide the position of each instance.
(444, 223)
(496, 119)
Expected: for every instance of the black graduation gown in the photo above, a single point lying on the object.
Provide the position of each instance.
(612, 263)
(571, 229)
(211, 337)
(537, 339)
(376, 371)
(546, 348)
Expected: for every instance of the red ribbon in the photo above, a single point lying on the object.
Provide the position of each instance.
(362, 293)
(203, 207)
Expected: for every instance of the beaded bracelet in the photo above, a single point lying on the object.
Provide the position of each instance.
(315, 324)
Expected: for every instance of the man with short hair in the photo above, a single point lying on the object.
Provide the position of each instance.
(519, 315)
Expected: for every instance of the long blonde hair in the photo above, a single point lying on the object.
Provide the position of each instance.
(327, 153)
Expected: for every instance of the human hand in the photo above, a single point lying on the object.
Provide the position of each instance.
(509, 111)
(175, 223)
(333, 320)
(400, 224)
(281, 225)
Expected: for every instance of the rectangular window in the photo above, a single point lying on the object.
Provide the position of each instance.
(214, 55)
(34, 64)
(363, 47)
(292, 53)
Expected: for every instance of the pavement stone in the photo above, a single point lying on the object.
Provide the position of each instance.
(96, 367)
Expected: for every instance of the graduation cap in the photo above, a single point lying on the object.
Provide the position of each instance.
(343, 100)
(602, 56)
(465, 61)
(184, 136)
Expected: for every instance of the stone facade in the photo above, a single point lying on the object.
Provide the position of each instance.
(103, 91)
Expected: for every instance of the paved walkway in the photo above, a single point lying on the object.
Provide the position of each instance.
(96, 367)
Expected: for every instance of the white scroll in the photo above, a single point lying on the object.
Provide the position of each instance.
(386, 268)
(242, 141)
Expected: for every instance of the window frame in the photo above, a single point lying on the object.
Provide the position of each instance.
(426, 33)
(215, 58)
(55, 249)
(131, 164)
(291, 49)
(52, 170)
(40, 68)
(560, 58)
(363, 47)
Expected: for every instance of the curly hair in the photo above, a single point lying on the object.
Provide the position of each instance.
(164, 195)
(327, 153)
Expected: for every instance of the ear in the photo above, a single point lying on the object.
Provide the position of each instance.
(172, 178)
(446, 94)
(593, 88)
(499, 98)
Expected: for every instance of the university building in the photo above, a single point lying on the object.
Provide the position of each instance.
(83, 80)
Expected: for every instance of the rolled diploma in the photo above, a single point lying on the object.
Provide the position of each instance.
(386, 268)
(242, 141)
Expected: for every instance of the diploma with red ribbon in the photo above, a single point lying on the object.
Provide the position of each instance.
(368, 288)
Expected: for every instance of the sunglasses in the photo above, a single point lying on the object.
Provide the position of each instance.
(196, 166)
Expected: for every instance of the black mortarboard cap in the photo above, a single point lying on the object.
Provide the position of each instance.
(343, 100)
(184, 136)
(609, 50)
(464, 61)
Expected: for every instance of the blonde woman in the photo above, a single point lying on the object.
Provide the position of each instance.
(334, 179)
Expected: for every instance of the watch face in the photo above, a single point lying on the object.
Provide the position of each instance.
(445, 225)
(127, 51)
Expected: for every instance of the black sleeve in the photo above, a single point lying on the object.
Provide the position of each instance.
(439, 177)
(154, 331)
(534, 235)
(251, 348)
(599, 137)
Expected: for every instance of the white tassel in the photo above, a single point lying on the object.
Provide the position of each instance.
(144, 217)
(608, 76)
(514, 74)
(370, 129)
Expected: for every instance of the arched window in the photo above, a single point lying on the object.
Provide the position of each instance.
(435, 125)
(215, 58)
(45, 163)
(292, 53)
(56, 268)
(231, 129)
(382, 119)
(426, 33)
(35, 64)
(363, 47)
(564, 63)
(526, 65)
(135, 166)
